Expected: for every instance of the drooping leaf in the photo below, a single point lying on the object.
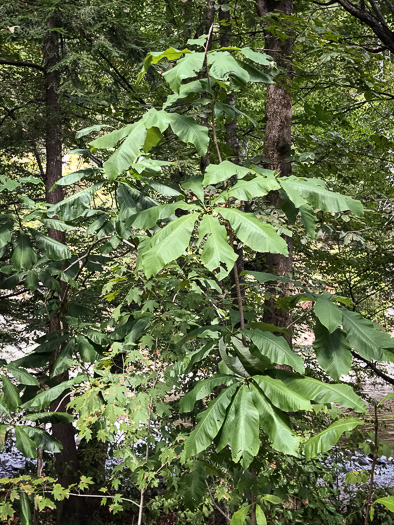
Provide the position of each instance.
(53, 249)
(232, 362)
(22, 375)
(24, 444)
(23, 255)
(217, 253)
(64, 359)
(157, 119)
(253, 361)
(260, 516)
(240, 516)
(42, 439)
(189, 131)
(275, 424)
(85, 349)
(167, 245)
(324, 392)
(328, 313)
(50, 417)
(210, 422)
(86, 131)
(186, 67)
(202, 389)
(57, 225)
(314, 192)
(195, 484)
(6, 226)
(223, 66)
(308, 219)
(195, 86)
(25, 515)
(75, 205)
(276, 349)
(326, 439)
(127, 152)
(280, 395)
(11, 394)
(363, 337)
(215, 173)
(332, 351)
(253, 232)
(44, 399)
(387, 501)
(241, 428)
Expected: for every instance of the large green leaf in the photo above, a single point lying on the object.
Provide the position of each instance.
(189, 131)
(3, 435)
(314, 192)
(259, 58)
(44, 399)
(42, 439)
(276, 349)
(186, 67)
(275, 424)
(85, 349)
(195, 185)
(259, 236)
(25, 506)
(167, 245)
(323, 441)
(241, 428)
(127, 152)
(194, 483)
(223, 66)
(57, 225)
(24, 444)
(328, 313)
(332, 351)
(147, 219)
(246, 190)
(195, 86)
(215, 173)
(281, 395)
(217, 253)
(363, 337)
(6, 226)
(50, 417)
(22, 375)
(324, 392)
(308, 219)
(202, 389)
(53, 249)
(387, 501)
(240, 516)
(75, 205)
(11, 394)
(23, 256)
(233, 363)
(159, 119)
(110, 140)
(210, 422)
(76, 176)
(253, 361)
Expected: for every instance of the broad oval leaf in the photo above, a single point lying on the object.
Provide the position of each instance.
(217, 253)
(210, 423)
(253, 232)
(53, 249)
(202, 389)
(281, 395)
(22, 375)
(246, 190)
(186, 67)
(324, 392)
(276, 349)
(216, 173)
(11, 398)
(166, 245)
(23, 255)
(24, 444)
(332, 351)
(189, 131)
(326, 439)
(328, 313)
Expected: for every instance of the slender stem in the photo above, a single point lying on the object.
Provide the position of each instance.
(374, 460)
(215, 138)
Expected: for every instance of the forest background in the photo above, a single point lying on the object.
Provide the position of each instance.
(188, 191)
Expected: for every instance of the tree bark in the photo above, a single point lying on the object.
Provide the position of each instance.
(66, 462)
(277, 145)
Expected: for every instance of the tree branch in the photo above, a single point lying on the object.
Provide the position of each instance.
(17, 63)
(373, 367)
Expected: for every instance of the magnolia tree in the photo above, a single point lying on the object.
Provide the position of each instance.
(184, 369)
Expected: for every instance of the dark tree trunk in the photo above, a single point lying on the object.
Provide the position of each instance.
(277, 146)
(66, 462)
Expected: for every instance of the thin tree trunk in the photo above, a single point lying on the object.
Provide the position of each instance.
(277, 146)
(66, 462)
